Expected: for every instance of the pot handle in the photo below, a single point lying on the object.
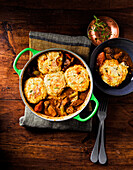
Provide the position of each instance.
(93, 112)
(18, 71)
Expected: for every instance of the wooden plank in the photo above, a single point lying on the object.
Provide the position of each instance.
(119, 128)
(62, 17)
(121, 4)
(59, 157)
(58, 4)
(70, 4)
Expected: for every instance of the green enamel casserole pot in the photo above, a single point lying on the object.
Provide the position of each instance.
(75, 115)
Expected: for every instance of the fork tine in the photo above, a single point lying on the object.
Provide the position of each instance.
(103, 104)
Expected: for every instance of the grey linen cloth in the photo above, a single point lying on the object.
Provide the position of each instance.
(78, 44)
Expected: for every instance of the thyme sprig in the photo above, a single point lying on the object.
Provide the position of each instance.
(101, 28)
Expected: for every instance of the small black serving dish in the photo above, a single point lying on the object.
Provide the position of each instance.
(127, 86)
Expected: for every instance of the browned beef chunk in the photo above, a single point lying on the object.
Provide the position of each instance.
(70, 110)
(67, 62)
(52, 111)
(116, 50)
(118, 55)
(109, 56)
(58, 104)
(46, 113)
(108, 50)
(127, 60)
(77, 103)
(83, 95)
(58, 107)
(46, 104)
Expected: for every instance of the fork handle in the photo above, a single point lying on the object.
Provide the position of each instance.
(102, 153)
(94, 154)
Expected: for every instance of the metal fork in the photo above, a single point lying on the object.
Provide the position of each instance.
(101, 115)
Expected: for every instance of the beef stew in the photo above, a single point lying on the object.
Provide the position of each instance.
(65, 103)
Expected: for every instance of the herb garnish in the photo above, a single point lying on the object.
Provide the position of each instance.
(56, 88)
(102, 29)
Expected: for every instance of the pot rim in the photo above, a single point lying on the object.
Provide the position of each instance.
(63, 118)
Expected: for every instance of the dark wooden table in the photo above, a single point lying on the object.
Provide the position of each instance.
(26, 148)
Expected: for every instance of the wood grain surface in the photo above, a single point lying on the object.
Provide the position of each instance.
(31, 148)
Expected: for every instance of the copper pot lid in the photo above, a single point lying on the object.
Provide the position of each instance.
(112, 27)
